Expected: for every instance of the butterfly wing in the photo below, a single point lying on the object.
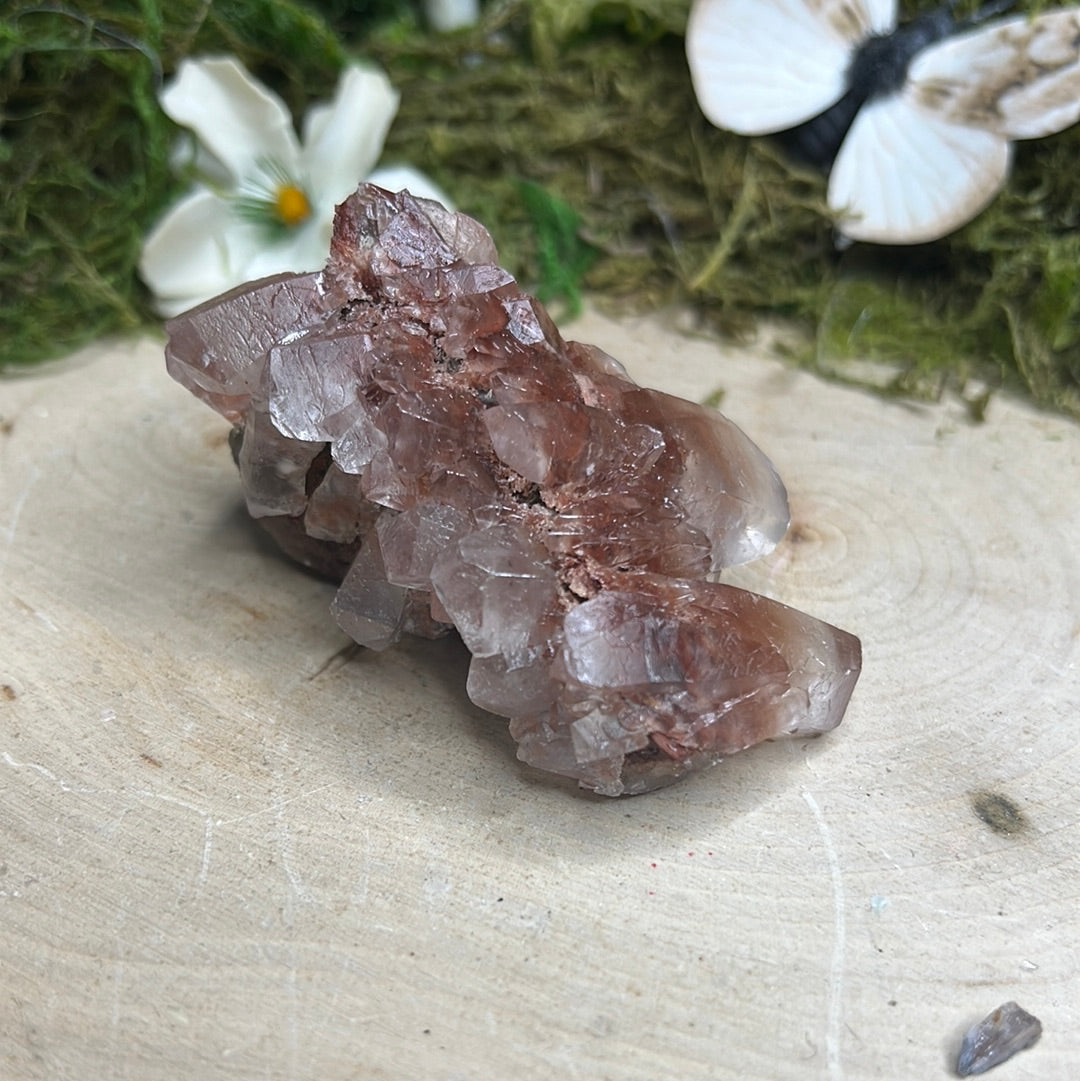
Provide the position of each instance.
(920, 164)
(905, 175)
(760, 66)
(1019, 77)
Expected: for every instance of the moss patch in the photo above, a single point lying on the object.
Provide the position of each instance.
(573, 133)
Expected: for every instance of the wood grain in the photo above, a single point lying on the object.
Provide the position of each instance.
(231, 846)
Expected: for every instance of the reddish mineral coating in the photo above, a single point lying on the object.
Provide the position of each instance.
(412, 423)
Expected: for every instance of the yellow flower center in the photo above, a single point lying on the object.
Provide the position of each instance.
(291, 205)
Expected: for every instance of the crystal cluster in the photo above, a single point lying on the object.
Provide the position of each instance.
(410, 422)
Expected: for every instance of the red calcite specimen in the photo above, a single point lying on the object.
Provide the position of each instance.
(412, 423)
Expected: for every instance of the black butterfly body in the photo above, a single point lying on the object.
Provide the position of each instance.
(915, 120)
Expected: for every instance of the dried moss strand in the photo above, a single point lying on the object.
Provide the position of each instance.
(730, 233)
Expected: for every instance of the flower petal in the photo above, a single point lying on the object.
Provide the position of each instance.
(400, 177)
(343, 139)
(199, 249)
(187, 156)
(234, 116)
(302, 249)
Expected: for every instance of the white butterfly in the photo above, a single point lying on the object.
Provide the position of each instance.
(931, 115)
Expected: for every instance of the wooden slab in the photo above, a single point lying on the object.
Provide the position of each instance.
(231, 846)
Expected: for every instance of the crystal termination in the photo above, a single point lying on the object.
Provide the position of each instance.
(996, 1038)
(411, 423)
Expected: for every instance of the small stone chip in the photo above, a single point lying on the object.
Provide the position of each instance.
(996, 1039)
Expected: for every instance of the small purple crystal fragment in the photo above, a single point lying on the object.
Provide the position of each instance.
(996, 1038)
(411, 424)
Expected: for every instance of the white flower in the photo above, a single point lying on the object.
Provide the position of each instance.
(267, 201)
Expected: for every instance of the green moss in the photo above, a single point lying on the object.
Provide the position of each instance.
(82, 142)
(572, 131)
(564, 256)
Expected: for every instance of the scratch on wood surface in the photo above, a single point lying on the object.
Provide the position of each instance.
(836, 967)
(65, 786)
(117, 980)
(285, 851)
(275, 805)
(48, 773)
(7, 533)
(208, 829)
(292, 995)
(30, 610)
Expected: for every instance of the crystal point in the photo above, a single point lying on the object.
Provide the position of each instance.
(996, 1038)
(412, 424)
